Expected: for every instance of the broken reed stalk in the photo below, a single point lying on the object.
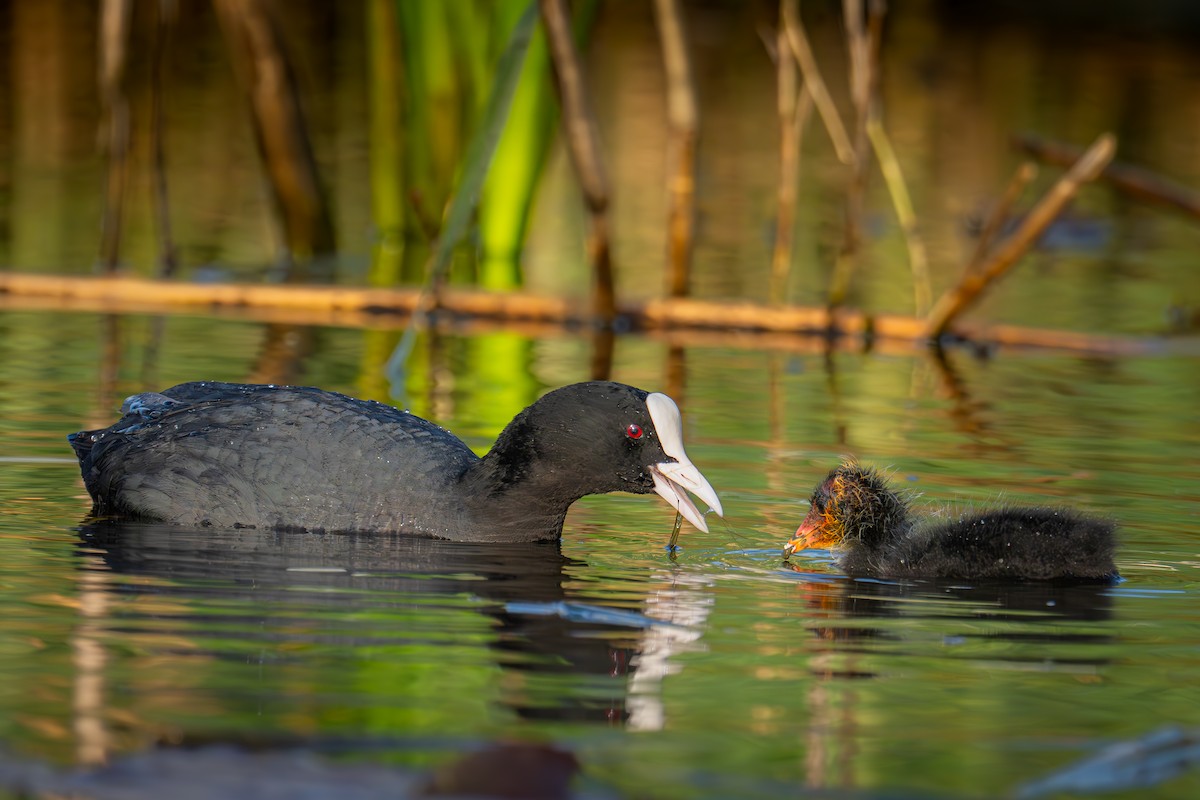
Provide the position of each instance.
(583, 143)
(793, 113)
(999, 213)
(1134, 181)
(893, 176)
(972, 284)
(166, 12)
(256, 48)
(114, 63)
(683, 124)
(798, 43)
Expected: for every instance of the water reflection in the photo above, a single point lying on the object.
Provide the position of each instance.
(864, 635)
(1014, 612)
(344, 596)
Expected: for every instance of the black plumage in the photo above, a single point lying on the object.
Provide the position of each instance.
(279, 457)
(873, 532)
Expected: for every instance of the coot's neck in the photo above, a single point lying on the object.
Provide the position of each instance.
(879, 521)
(505, 505)
(874, 532)
(516, 491)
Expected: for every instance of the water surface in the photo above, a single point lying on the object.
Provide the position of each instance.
(723, 672)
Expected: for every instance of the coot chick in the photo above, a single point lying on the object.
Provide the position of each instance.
(869, 527)
(284, 457)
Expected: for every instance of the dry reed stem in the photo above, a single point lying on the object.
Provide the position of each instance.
(599, 253)
(792, 114)
(791, 141)
(797, 39)
(862, 90)
(114, 65)
(999, 213)
(1134, 181)
(893, 177)
(583, 143)
(256, 47)
(734, 324)
(683, 121)
(167, 11)
(972, 284)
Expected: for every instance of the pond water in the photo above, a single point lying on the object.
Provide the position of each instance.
(723, 672)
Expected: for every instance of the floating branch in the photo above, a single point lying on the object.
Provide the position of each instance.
(1134, 181)
(680, 320)
(972, 284)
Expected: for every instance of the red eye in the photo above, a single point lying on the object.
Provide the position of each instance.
(634, 431)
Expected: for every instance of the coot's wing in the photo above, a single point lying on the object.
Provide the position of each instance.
(1041, 543)
(233, 455)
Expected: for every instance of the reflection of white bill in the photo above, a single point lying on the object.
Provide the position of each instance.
(685, 608)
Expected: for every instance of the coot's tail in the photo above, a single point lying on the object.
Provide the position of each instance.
(82, 443)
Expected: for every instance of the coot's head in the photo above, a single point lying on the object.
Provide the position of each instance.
(598, 437)
(852, 505)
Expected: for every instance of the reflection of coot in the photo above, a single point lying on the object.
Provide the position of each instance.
(1025, 611)
(868, 525)
(290, 573)
(226, 455)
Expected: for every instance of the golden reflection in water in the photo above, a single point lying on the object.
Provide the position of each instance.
(777, 446)
(92, 741)
(686, 602)
(831, 748)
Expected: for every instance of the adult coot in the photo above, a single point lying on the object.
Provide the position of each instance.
(287, 457)
(855, 514)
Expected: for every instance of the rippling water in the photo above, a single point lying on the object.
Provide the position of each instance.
(724, 672)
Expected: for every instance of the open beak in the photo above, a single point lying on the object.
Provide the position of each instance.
(802, 540)
(674, 479)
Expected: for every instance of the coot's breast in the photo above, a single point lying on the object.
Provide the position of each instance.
(275, 457)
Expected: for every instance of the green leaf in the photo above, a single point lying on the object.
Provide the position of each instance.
(483, 144)
(475, 169)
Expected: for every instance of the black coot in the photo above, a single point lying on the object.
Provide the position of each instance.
(855, 514)
(284, 457)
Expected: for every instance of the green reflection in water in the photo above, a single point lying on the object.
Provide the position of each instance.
(770, 677)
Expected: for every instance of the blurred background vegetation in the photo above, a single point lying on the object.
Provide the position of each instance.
(391, 93)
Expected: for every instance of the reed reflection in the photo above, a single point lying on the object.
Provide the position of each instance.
(1029, 611)
(342, 597)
